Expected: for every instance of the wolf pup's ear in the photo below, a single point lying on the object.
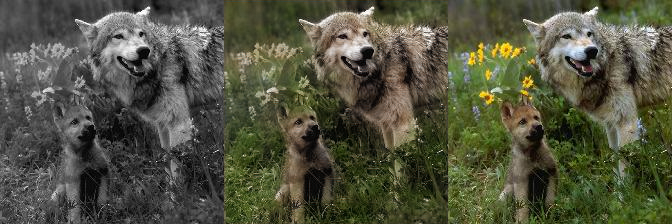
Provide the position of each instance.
(506, 111)
(313, 30)
(90, 31)
(537, 30)
(592, 13)
(58, 110)
(368, 13)
(144, 12)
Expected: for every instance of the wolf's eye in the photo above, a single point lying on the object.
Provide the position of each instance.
(522, 122)
(74, 122)
(567, 36)
(118, 36)
(366, 34)
(298, 122)
(312, 117)
(343, 36)
(88, 117)
(536, 117)
(590, 34)
(141, 34)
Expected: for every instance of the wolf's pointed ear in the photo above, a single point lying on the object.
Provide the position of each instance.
(506, 111)
(144, 12)
(313, 30)
(282, 112)
(537, 30)
(89, 30)
(58, 110)
(368, 13)
(592, 12)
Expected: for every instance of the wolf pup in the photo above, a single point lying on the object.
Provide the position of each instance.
(308, 173)
(157, 71)
(84, 172)
(532, 174)
(381, 72)
(604, 70)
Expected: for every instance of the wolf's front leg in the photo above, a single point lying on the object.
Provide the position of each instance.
(520, 193)
(72, 194)
(58, 193)
(296, 201)
(550, 190)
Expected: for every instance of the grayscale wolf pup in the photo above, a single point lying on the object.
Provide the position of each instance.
(84, 172)
(381, 72)
(308, 173)
(532, 173)
(157, 71)
(604, 70)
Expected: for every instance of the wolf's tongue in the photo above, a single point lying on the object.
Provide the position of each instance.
(587, 68)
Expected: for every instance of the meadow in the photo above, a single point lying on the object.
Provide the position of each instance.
(29, 144)
(457, 164)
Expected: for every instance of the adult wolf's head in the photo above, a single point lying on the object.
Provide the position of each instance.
(570, 40)
(119, 41)
(342, 41)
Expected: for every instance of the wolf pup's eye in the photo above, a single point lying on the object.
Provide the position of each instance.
(74, 122)
(567, 36)
(522, 122)
(536, 117)
(118, 36)
(343, 36)
(312, 117)
(141, 34)
(298, 122)
(590, 34)
(88, 117)
(366, 34)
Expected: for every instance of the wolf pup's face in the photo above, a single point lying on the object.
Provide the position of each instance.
(570, 39)
(75, 124)
(345, 41)
(300, 126)
(120, 42)
(523, 122)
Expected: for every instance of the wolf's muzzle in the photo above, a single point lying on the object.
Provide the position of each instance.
(591, 52)
(88, 134)
(367, 52)
(143, 52)
(536, 134)
(312, 133)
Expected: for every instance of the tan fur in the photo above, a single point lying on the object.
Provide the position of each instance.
(82, 161)
(529, 159)
(632, 70)
(305, 159)
(408, 68)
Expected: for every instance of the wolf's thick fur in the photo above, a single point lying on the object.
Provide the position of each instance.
(308, 174)
(382, 72)
(157, 71)
(631, 69)
(84, 172)
(532, 174)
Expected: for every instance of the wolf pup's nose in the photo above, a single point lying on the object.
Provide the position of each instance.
(143, 52)
(367, 52)
(315, 128)
(591, 52)
(91, 129)
(539, 129)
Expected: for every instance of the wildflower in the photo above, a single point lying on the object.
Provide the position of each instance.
(495, 72)
(480, 52)
(528, 82)
(304, 82)
(476, 111)
(505, 50)
(488, 97)
(488, 74)
(467, 78)
(517, 51)
(494, 50)
(472, 58)
(29, 113)
(253, 112)
(531, 61)
(481, 46)
(525, 93)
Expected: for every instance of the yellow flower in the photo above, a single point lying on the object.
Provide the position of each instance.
(528, 82)
(494, 50)
(525, 93)
(488, 74)
(487, 97)
(516, 52)
(505, 50)
(481, 46)
(531, 61)
(472, 58)
(480, 55)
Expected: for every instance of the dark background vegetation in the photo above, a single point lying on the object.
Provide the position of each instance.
(29, 146)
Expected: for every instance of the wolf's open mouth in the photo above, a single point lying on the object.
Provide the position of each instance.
(133, 67)
(357, 67)
(584, 68)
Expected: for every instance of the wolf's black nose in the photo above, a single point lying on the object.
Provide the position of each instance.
(143, 52)
(591, 52)
(91, 128)
(367, 52)
(539, 129)
(315, 128)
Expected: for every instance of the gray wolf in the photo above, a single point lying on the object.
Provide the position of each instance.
(308, 173)
(532, 173)
(157, 71)
(84, 172)
(604, 70)
(381, 72)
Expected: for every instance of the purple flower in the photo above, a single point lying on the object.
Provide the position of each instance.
(476, 111)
